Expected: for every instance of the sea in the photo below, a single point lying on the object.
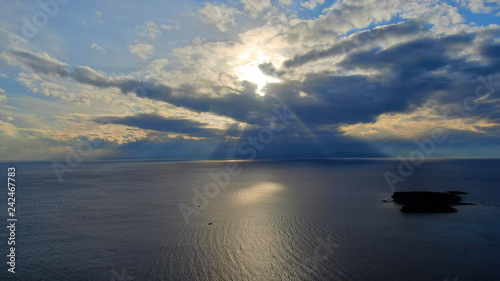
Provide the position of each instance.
(249, 220)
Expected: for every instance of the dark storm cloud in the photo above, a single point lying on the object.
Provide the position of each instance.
(240, 105)
(351, 99)
(40, 63)
(86, 75)
(159, 123)
(412, 59)
(360, 39)
(410, 67)
(490, 53)
(268, 69)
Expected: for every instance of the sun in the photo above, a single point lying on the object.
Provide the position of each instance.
(251, 73)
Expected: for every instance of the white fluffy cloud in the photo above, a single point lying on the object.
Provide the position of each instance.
(98, 48)
(481, 6)
(169, 27)
(220, 16)
(311, 4)
(285, 2)
(149, 29)
(98, 15)
(49, 88)
(255, 7)
(144, 51)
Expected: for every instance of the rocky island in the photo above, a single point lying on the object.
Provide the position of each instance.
(428, 202)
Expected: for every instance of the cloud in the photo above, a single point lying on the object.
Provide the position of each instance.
(98, 48)
(170, 27)
(355, 99)
(2, 91)
(51, 140)
(284, 145)
(49, 89)
(8, 129)
(411, 59)
(366, 85)
(221, 16)
(149, 29)
(311, 4)
(321, 98)
(268, 69)
(87, 75)
(436, 13)
(344, 16)
(98, 15)
(481, 6)
(255, 7)
(324, 99)
(38, 62)
(149, 121)
(158, 65)
(293, 143)
(285, 2)
(359, 40)
(144, 51)
(237, 105)
(3, 98)
(415, 125)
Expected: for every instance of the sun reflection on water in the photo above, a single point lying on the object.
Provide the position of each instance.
(258, 192)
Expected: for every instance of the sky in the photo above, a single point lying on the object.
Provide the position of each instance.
(246, 79)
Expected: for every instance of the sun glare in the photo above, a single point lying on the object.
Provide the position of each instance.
(251, 73)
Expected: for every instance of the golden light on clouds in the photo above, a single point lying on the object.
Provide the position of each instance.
(414, 125)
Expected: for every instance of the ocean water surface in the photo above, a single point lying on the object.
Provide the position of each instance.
(275, 220)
